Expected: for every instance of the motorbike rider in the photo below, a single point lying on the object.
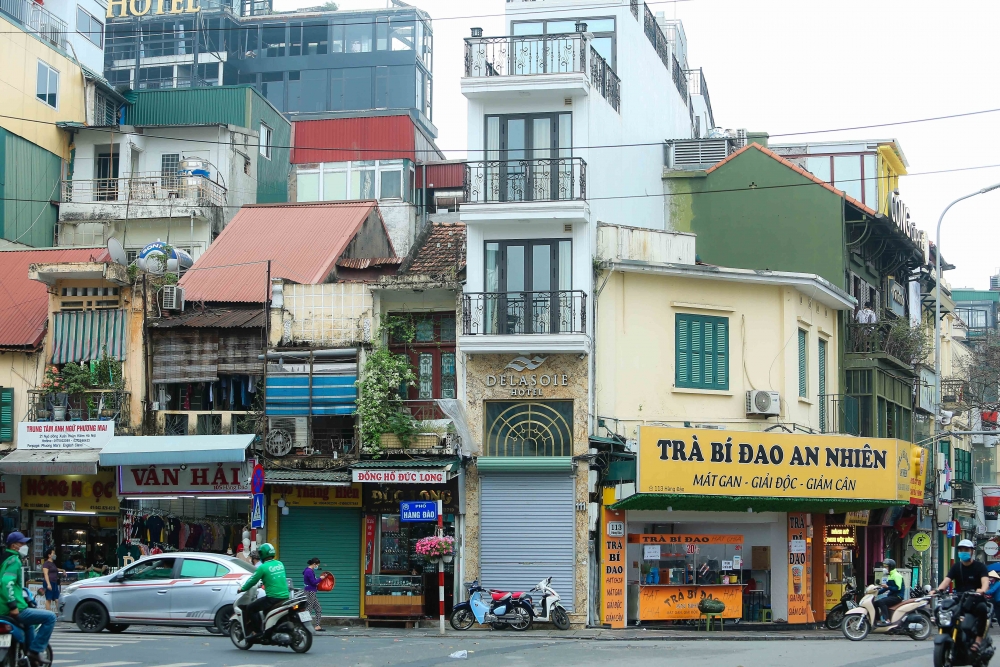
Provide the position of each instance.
(894, 587)
(272, 573)
(12, 593)
(969, 574)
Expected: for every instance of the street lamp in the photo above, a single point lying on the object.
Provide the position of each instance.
(937, 355)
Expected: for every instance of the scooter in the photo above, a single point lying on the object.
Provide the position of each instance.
(957, 632)
(497, 608)
(550, 610)
(910, 617)
(848, 601)
(287, 624)
(13, 652)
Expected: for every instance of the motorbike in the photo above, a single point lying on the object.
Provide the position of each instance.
(499, 609)
(957, 632)
(288, 624)
(848, 601)
(13, 652)
(910, 617)
(550, 610)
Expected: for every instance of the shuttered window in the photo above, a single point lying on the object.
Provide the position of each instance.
(803, 366)
(6, 414)
(702, 344)
(821, 375)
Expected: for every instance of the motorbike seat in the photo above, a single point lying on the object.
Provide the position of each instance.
(499, 595)
(517, 595)
(900, 604)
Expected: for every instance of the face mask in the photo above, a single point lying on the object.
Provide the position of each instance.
(23, 550)
(885, 570)
(964, 556)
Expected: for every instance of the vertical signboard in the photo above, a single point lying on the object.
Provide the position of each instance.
(613, 564)
(369, 542)
(798, 579)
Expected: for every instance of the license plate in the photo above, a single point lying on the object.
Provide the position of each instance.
(4, 641)
(305, 616)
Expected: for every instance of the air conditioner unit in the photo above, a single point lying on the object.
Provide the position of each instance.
(285, 433)
(172, 297)
(763, 402)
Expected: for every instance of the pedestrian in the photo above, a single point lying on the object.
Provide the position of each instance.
(312, 592)
(50, 575)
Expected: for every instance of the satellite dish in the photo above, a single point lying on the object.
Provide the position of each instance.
(117, 252)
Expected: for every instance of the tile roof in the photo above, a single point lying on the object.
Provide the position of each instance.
(24, 304)
(214, 318)
(303, 242)
(368, 262)
(796, 168)
(409, 463)
(442, 252)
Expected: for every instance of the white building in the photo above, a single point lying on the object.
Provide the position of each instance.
(568, 113)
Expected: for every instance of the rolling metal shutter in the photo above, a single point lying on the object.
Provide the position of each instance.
(528, 532)
(334, 536)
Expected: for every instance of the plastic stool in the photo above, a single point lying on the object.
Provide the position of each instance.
(765, 615)
(710, 621)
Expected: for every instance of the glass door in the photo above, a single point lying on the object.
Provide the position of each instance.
(529, 285)
(534, 157)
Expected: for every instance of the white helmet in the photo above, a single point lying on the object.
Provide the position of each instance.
(966, 544)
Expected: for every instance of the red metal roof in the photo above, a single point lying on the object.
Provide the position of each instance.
(24, 304)
(342, 139)
(214, 318)
(443, 175)
(303, 242)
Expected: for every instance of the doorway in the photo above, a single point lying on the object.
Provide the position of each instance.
(106, 173)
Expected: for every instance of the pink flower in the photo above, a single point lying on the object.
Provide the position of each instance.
(435, 547)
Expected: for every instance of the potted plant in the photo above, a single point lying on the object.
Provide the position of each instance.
(76, 379)
(436, 548)
(55, 396)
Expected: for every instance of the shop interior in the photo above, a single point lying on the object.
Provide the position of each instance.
(183, 524)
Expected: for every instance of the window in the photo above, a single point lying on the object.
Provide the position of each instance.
(150, 570)
(170, 165)
(432, 354)
(528, 287)
(401, 35)
(603, 29)
(963, 465)
(314, 39)
(855, 174)
(198, 569)
(7, 414)
(391, 180)
(821, 375)
(265, 141)
(47, 89)
(272, 40)
(381, 33)
(803, 365)
(702, 352)
(272, 85)
(105, 111)
(528, 145)
(89, 27)
(359, 36)
(363, 180)
(974, 318)
(535, 428)
(338, 43)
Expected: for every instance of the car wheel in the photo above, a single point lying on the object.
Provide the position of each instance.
(91, 616)
(117, 627)
(222, 619)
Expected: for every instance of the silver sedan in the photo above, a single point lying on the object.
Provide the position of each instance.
(180, 589)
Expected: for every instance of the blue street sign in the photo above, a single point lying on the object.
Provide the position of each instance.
(418, 510)
(257, 513)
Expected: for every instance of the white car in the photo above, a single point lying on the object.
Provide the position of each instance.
(181, 589)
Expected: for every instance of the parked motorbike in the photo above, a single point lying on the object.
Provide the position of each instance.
(957, 632)
(287, 624)
(499, 609)
(848, 601)
(909, 617)
(550, 610)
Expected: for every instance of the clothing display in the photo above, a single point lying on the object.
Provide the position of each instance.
(151, 531)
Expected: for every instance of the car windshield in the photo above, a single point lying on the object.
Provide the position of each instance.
(237, 562)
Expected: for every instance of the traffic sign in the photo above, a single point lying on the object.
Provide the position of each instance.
(257, 513)
(257, 479)
(418, 510)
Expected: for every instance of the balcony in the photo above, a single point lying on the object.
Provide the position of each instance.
(553, 189)
(87, 405)
(839, 414)
(557, 65)
(954, 393)
(890, 338)
(963, 491)
(698, 86)
(497, 322)
(36, 19)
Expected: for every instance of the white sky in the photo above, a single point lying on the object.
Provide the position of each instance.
(785, 65)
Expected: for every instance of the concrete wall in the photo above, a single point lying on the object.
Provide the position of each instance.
(89, 54)
(22, 371)
(334, 314)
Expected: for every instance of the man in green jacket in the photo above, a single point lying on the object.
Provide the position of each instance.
(12, 594)
(272, 573)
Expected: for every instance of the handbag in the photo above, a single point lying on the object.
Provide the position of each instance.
(326, 582)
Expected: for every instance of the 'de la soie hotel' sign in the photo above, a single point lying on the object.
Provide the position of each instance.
(740, 463)
(119, 8)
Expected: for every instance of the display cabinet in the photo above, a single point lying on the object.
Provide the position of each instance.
(394, 596)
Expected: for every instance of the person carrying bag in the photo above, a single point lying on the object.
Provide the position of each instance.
(313, 585)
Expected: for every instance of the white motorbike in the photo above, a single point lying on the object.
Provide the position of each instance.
(287, 624)
(550, 609)
(910, 617)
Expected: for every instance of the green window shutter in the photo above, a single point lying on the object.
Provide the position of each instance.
(945, 448)
(803, 381)
(821, 376)
(6, 414)
(702, 352)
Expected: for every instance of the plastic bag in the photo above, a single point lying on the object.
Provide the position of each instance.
(326, 582)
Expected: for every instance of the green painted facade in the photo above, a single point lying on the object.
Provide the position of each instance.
(29, 180)
(241, 106)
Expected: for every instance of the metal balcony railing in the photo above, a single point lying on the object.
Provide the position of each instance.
(525, 55)
(839, 414)
(542, 179)
(88, 405)
(604, 79)
(954, 392)
(143, 187)
(37, 19)
(505, 313)
(963, 491)
(876, 338)
(698, 86)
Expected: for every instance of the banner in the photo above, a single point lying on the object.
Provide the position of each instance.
(201, 479)
(798, 569)
(69, 493)
(757, 464)
(385, 498)
(401, 476)
(613, 567)
(301, 495)
(64, 435)
(671, 603)
(991, 508)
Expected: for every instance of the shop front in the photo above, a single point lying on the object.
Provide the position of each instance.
(742, 518)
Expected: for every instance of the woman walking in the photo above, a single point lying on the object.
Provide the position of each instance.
(312, 587)
(50, 575)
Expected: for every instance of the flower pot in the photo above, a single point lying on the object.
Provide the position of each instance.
(434, 559)
(59, 413)
(448, 558)
(390, 441)
(424, 441)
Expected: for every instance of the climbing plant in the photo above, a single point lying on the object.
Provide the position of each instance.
(384, 379)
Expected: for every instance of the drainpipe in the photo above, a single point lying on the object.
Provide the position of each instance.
(192, 233)
(423, 222)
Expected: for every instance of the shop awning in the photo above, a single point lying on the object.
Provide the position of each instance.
(288, 395)
(448, 464)
(138, 450)
(308, 477)
(84, 335)
(524, 463)
(50, 462)
(664, 501)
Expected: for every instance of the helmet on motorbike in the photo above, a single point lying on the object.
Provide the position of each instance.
(266, 551)
(966, 544)
(889, 564)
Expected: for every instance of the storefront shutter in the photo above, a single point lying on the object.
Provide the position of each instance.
(702, 352)
(334, 536)
(528, 532)
(803, 380)
(6, 414)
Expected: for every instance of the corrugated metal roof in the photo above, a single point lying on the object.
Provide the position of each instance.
(216, 318)
(341, 139)
(303, 242)
(222, 105)
(368, 262)
(410, 463)
(24, 304)
(306, 476)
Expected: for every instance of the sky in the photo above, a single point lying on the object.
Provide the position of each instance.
(784, 66)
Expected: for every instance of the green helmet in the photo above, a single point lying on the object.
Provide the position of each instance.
(266, 551)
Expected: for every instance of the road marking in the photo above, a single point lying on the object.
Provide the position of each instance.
(110, 664)
(183, 664)
(63, 662)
